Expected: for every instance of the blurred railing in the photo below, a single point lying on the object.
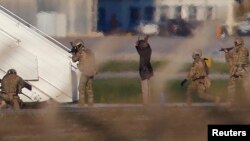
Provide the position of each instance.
(38, 33)
(25, 24)
(21, 22)
(11, 36)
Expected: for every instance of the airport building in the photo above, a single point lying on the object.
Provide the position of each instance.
(129, 13)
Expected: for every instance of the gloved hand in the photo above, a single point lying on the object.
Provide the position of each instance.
(183, 82)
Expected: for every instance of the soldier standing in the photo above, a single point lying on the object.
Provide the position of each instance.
(198, 75)
(86, 64)
(145, 69)
(238, 59)
(12, 84)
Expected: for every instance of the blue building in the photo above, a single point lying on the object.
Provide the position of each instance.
(124, 14)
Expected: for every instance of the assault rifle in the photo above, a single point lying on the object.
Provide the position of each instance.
(26, 85)
(74, 49)
(202, 77)
(226, 49)
(185, 80)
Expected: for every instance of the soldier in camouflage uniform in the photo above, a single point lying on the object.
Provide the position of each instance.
(198, 75)
(238, 60)
(86, 64)
(11, 84)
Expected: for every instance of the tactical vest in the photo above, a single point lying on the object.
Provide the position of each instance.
(87, 64)
(11, 83)
(198, 70)
(240, 56)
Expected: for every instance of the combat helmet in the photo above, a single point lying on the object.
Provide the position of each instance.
(196, 53)
(238, 41)
(78, 43)
(11, 71)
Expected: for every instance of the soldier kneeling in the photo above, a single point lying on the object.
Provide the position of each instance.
(11, 84)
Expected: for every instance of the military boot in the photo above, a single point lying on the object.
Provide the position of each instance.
(90, 101)
(3, 104)
(90, 94)
(16, 103)
(81, 101)
(189, 102)
(217, 100)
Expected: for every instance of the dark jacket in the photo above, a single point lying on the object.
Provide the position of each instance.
(145, 68)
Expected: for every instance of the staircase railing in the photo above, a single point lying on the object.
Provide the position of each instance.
(11, 36)
(27, 25)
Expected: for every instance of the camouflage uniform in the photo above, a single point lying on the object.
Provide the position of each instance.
(87, 67)
(198, 75)
(145, 69)
(237, 59)
(12, 84)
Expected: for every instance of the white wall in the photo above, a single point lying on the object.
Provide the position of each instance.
(52, 23)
